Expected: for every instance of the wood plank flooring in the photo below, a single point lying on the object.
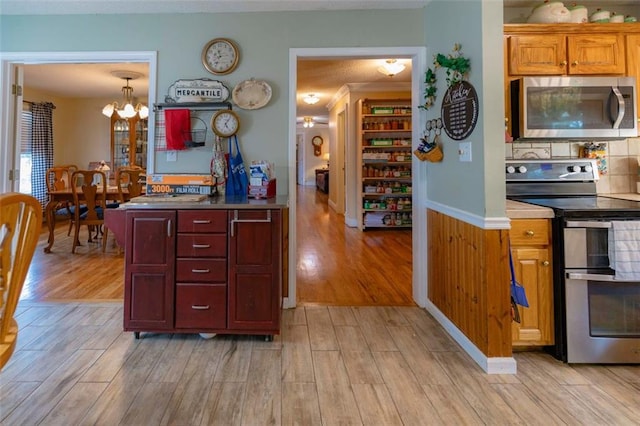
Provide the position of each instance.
(75, 366)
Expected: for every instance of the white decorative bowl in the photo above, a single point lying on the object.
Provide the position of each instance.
(550, 12)
(600, 16)
(579, 14)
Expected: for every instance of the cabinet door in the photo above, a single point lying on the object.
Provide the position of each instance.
(596, 54)
(150, 270)
(633, 62)
(537, 55)
(254, 270)
(533, 272)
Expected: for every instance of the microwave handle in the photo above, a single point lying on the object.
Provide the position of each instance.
(621, 107)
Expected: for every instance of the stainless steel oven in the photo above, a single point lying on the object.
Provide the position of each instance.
(602, 312)
(596, 315)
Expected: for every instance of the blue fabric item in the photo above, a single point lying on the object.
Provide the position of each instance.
(518, 294)
(99, 211)
(237, 181)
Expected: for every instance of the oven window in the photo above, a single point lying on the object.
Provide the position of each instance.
(597, 248)
(614, 309)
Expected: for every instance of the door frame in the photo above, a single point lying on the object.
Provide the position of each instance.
(9, 61)
(418, 56)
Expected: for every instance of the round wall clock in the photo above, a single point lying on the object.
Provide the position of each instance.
(220, 56)
(317, 145)
(225, 123)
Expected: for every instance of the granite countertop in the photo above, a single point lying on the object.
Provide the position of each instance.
(215, 202)
(519, 210)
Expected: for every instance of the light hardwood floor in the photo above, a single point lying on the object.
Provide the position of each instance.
(331, 365)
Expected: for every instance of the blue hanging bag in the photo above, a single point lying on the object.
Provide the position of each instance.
(237, 180)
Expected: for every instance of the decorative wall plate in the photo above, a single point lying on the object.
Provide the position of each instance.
(251, 94)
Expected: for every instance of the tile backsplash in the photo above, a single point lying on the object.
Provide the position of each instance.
(622, 157)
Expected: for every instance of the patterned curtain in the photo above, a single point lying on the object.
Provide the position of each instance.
(41, 148)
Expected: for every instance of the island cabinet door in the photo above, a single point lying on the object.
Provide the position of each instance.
(255, 270)
(150, 270)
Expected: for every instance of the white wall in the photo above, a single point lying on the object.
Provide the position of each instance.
(311, 162)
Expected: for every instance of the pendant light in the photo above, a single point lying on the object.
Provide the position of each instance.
(391, 67)
(127, 109)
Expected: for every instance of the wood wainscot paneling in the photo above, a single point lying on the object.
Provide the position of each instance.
(469, 280)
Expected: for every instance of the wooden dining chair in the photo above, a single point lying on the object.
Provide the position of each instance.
(90, 188)
(20, 223)
(129, 178)
(59, 178)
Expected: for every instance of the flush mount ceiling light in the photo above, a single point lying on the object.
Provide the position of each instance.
(311, 99)
(127, 109)
(308, 122)
(391, 67)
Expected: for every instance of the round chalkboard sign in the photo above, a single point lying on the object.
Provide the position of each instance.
(459, 110)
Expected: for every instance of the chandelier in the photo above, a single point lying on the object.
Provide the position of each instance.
(311, 99)
(308, 122)
(126, 109)
(391, 67)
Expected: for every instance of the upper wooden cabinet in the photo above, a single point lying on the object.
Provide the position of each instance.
(633, 62)
(555, 54)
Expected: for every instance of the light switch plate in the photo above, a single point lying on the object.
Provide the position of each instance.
(464, 151)
(172, 156)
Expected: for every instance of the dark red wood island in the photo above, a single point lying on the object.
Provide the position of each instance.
(209, 266)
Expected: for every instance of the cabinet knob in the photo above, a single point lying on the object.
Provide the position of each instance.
(545, 263)
(574, 63)
(563, 63)
(529, 233)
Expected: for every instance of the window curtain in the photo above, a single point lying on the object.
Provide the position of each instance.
(41, 148)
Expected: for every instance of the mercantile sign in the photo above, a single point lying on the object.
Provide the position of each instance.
(198, 90)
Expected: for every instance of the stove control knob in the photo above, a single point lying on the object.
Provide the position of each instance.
(511, 169)
(587, 168)
(522, 169)
(574, 169)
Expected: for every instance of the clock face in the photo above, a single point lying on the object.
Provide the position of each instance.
(220, 56)
(225, 123)
(316, 141)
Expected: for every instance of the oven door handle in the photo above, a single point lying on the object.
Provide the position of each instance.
(596, 277)
(587, 224)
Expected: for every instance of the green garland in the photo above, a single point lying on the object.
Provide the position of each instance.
(457, 67)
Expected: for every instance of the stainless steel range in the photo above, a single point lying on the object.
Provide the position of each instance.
(597, 314)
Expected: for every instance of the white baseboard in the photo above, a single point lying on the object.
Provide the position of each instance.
(495, 365)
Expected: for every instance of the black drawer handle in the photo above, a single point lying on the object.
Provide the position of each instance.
(200, 307)
(197, 246)
(200, 271)
(201, 222)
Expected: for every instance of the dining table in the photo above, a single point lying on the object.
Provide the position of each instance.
(61, 195)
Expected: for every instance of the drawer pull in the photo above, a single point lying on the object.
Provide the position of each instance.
(545, 263)
(201, 246)
(200, 307)
(236, 220)
(201, 222)
(529, 233)
(201, 271)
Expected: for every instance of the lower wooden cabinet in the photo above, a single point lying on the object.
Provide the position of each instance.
(204, 271)
(532, 256)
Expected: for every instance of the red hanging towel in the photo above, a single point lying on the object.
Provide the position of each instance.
(178, 124)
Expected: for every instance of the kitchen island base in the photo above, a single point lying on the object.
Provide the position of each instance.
(203, 271)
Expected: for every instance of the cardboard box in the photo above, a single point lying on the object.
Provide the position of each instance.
(180, 179)
(155, 188)
(266, 190)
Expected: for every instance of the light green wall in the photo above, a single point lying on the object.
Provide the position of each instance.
(264, 40)
(477, 186)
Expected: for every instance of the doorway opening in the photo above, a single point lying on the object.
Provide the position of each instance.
(417, 55)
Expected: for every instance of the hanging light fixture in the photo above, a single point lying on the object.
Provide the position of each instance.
(311, 99)
(308, 122)
(127, 109)
(391, 67)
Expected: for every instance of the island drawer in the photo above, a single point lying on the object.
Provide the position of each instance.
(201, 270)
(202, 307)
(209, 221)
(202, 245)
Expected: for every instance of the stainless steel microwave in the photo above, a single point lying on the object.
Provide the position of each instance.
(574, 107)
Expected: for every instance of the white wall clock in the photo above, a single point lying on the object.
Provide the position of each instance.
(225, 123)
(220, 56)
